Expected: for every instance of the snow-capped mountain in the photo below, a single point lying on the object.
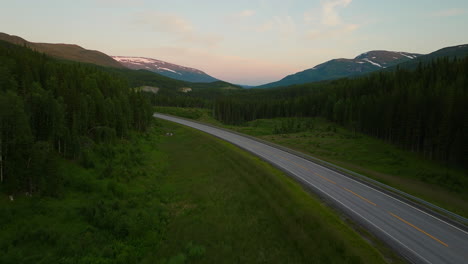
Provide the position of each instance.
(384, 59)
(165, 68)
(339, 68)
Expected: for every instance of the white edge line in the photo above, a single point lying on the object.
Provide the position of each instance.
(365, 185)
(365, 219)
(401, 243)
(333, 172)
(264, 155)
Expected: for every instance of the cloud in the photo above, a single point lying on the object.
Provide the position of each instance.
(449, 12)
(326, 21)
(321, 34)
(330, 15)
(265, 27)
(118, 3)
(177, 28)
(242, 16)
(245, 13)
(285, 25)
(166, 23)
(311, 16)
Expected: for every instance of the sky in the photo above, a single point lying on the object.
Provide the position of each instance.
(247, 42)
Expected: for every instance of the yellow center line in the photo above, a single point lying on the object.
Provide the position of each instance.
(417, 228)
(359, 196)
(325, 178)
(307, 169)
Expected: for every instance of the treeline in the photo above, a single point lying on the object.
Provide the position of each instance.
(50, 109)
(201, 96)
(178, 99)
(423, 111)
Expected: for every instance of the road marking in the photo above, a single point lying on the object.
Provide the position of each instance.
(417, 228)
(328, 180)
(325, 178)
(191, 124)
(398, 200)
(359, 196)
(336, 200)
(307, 169)
(358, 214)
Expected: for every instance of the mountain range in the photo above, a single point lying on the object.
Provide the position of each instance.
(366, 63)
(338, 68)
(333, 69)
(165, 68)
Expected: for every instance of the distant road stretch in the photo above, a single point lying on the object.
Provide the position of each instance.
(418, 236)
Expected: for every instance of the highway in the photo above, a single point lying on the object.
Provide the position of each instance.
(418, 236)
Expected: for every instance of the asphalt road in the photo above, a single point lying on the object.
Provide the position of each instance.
(417, 235)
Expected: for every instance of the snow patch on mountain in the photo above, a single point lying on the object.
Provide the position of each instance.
(407, 56)
(373, 63)
(165, 68)
(134, 60)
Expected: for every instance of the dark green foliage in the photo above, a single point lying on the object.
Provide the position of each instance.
(188, 198)
(50, 108)
(169, 93)
(423, 110)
(42, 168)
(15, 140)
(95, 219)
(292, 125)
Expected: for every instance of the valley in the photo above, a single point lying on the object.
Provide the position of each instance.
(331, 131)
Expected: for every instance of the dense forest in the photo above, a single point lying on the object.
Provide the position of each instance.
(424, 110)
(51, 109)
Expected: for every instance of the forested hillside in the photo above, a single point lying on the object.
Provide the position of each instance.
(51, 109)
(423, 110)
(65, 51)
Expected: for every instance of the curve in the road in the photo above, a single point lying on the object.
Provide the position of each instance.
(419, 236)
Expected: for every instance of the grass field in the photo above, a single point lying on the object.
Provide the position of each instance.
(432, 181)
(187, 198)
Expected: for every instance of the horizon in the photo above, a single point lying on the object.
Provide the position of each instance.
(233, 41)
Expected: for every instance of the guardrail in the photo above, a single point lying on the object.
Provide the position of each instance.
(462, 220)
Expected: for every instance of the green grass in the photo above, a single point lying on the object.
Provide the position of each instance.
(239, 209)
(189, 198)
(432, 181)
